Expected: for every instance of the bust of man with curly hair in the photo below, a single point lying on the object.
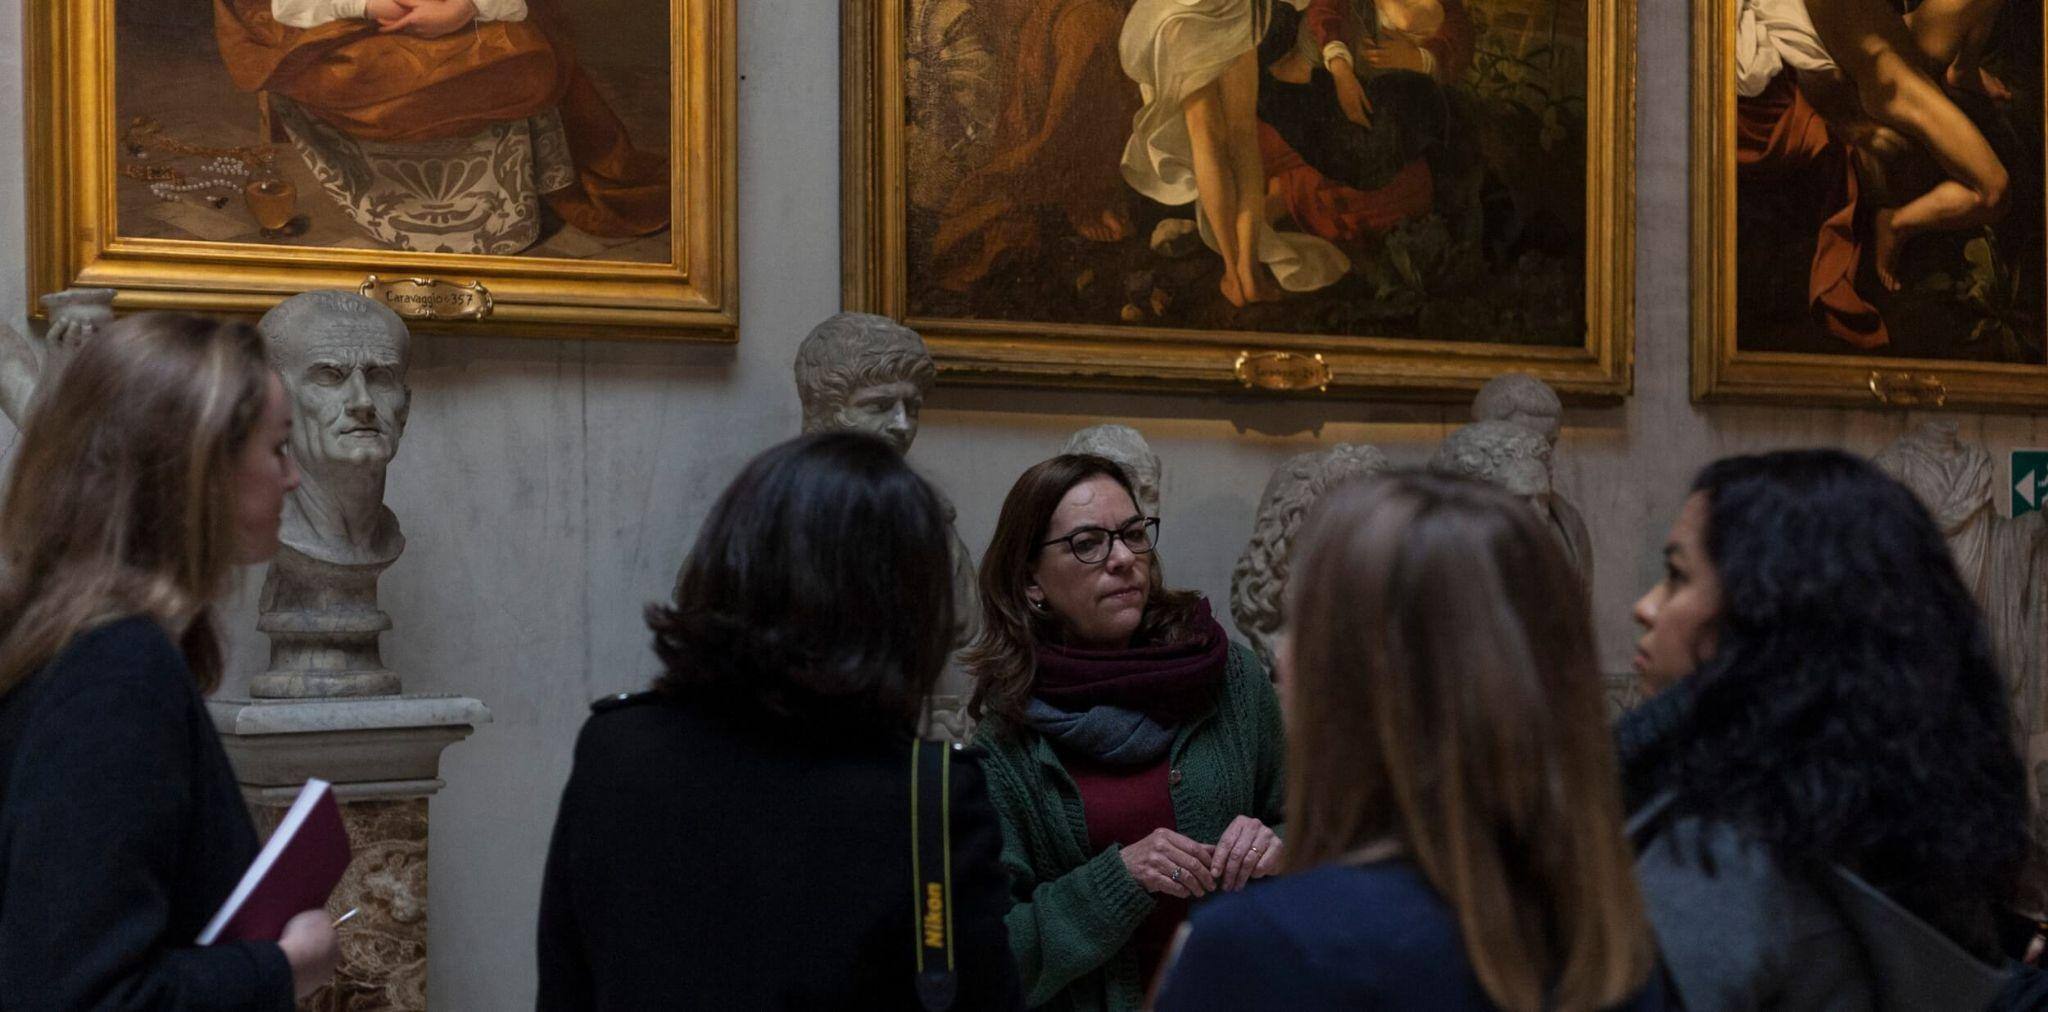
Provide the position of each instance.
(864, 372)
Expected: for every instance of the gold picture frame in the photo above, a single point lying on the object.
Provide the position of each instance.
(84, 161)
(1155, 355)
(1730, 363)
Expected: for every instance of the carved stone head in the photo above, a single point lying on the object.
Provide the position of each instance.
(1504, 453)
(864, 372)
(1258, 583)
(1127, 447)
(342, 358)
(1523, 400)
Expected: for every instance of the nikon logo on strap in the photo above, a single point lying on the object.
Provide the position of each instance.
(931, 860)
(934, 915)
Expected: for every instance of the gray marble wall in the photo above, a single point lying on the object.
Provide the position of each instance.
(549, 489)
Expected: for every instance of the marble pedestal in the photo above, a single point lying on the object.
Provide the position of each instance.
(383, 756)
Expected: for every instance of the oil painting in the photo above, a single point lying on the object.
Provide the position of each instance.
(1880, 166)
(556, 152)
(1307, 174)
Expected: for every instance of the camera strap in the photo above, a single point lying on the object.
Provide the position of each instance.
(931, 860)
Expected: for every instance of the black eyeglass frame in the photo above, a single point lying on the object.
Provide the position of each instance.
(1150, 525)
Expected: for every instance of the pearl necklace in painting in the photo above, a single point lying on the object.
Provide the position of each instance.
(229, 168)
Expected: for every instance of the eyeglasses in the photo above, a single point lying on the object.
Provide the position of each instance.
(1092, 545)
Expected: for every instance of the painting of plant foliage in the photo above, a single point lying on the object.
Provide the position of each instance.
(1384, 168)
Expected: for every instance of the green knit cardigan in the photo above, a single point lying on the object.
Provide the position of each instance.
(1074, 910)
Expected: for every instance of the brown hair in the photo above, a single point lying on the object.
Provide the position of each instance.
(121, 500)
(1002, 658)
(1445, 698)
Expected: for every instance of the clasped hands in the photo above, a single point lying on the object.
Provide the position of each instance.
(428, 19)
(1168, 863)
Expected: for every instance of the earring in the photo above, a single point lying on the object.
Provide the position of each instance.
(1039, 606)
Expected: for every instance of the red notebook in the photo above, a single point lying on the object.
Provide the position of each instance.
(296, 871)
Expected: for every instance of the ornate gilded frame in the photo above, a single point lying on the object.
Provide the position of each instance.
(1157, 358)
(73, 237)
(1722, 372)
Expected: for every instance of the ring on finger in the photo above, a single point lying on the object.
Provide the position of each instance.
(1177, 873)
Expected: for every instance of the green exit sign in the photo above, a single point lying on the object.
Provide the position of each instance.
(2029, 481)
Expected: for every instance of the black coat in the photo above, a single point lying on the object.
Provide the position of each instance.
(121, 832)
(709, 856)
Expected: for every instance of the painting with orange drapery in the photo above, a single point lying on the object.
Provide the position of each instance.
(504, 127)
(1391, 168)
(1888, 179)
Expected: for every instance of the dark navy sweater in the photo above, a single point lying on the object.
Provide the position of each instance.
(121, 832)
(1342, 936)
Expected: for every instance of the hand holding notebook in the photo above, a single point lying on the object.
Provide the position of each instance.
(295, 872)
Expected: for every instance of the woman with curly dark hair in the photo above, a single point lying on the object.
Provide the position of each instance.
(1830, 808)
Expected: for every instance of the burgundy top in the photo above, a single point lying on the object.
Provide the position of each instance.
(1124, 804)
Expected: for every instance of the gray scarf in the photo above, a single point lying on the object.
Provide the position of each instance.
(1110, 735)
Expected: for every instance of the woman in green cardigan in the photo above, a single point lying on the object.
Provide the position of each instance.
(1134, 752)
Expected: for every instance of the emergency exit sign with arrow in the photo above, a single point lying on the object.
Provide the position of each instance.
(2029, 481)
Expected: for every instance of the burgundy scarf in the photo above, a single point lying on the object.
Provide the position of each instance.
(1169, 683)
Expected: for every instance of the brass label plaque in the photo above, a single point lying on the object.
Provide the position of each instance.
(430, 298)
(1908, 390)
(1282, 370)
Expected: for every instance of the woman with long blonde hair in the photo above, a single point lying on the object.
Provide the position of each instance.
(1455, 835)
(152, 466)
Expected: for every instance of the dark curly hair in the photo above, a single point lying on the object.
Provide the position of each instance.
(1851, 711)
(820, 589)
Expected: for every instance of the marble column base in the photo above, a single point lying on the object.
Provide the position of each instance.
(384, 946)
(382, 755)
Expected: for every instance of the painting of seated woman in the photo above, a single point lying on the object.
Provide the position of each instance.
(1411, 169)
(534, 128)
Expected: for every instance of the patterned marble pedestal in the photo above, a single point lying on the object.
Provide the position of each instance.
(383, 756)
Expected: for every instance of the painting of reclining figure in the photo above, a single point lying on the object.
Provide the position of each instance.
(501, 127)
(1888, 179)
(1348, 168)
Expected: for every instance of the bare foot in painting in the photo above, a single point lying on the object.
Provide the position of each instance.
(1884, 248)
(1262, 286)
(1109, 225)
(1979, 80)
(1232, 293)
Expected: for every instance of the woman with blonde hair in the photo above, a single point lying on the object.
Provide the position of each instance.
(154, 464)
(1455, 834)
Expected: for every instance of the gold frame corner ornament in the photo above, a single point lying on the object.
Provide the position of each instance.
(874, 277)
(1722, 372)
(74, 237)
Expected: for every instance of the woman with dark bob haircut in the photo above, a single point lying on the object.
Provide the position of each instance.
(1134, 752)
(740, 835)
(1830, 808)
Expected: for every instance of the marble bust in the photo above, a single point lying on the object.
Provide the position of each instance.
(2003, 560)
(1518, 398)
(75, 315)
(342, 358)
(1503, 453)
(1127, 447)
(1258, 583)
(867, 373)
